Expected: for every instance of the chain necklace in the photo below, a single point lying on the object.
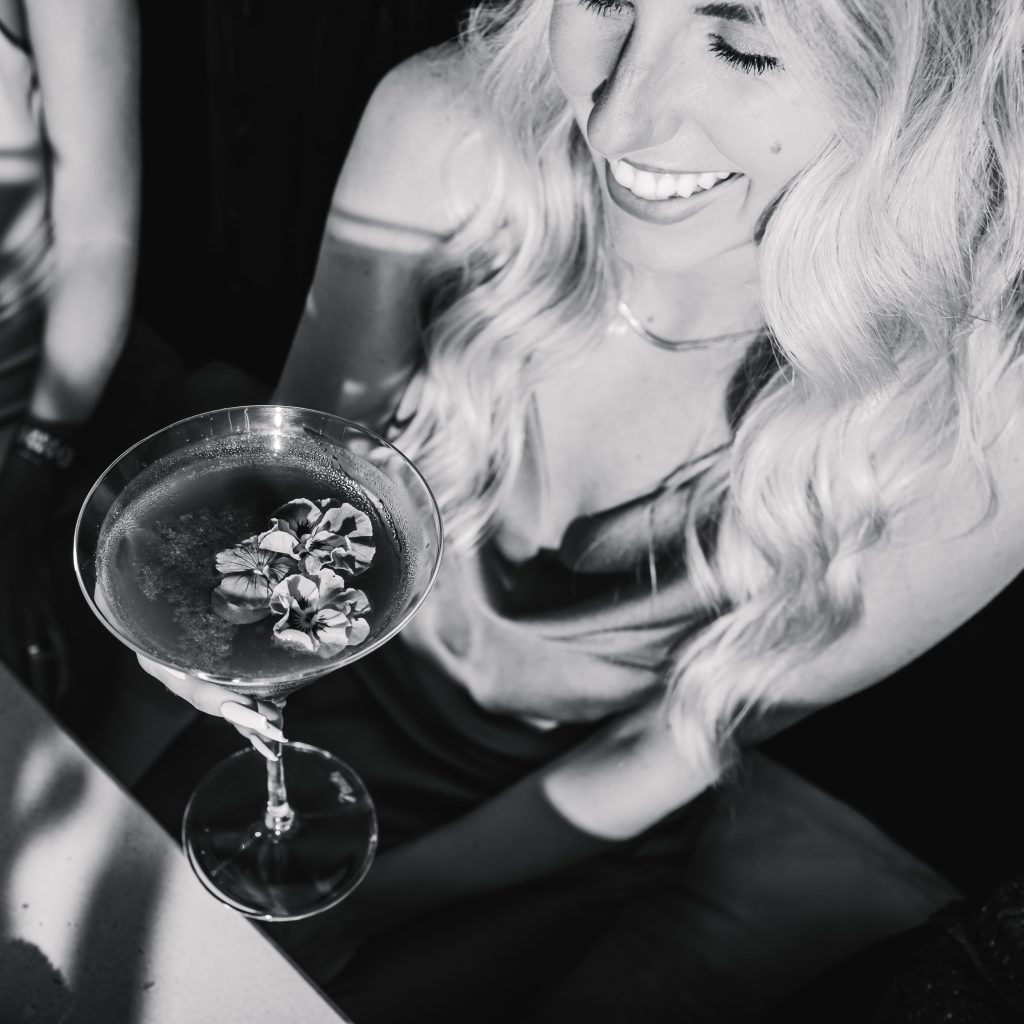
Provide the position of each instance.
(682, 344)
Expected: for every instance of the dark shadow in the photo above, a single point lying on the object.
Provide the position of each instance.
(103, 980)
(242, 154)
(31, 988)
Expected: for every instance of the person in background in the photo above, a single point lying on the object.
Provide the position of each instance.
(69, 210)
(704, 321)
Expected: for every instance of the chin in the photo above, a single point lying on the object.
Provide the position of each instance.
(664, 251)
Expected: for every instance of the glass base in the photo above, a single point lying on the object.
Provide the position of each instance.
(280, 876)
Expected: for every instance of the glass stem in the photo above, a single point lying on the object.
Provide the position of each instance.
(280, 816)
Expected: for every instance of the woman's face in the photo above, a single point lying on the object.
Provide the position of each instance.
(672, 96)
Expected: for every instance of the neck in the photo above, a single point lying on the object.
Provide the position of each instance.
(718, 297)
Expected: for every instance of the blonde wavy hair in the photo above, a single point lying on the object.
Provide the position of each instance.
(893, 293)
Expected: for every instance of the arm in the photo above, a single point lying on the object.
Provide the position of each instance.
(86, 55)
(358, 341)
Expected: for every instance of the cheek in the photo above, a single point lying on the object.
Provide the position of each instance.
(770, 145)
(584, 49)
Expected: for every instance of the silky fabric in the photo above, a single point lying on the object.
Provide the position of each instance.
(607, 605)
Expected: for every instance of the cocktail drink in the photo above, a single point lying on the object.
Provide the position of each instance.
(261, 548)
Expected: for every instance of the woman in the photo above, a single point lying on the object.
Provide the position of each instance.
(717, 386)
(69, 197)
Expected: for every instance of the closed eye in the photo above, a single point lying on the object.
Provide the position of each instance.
(751, 63)
(606, 6)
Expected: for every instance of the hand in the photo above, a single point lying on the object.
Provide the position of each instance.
(257, 721)
(31, 639)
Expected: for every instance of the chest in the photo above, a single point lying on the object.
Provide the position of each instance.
(612, 428)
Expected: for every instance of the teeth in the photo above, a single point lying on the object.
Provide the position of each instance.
(648, 185)
(645, 185)
(686, 184)
(666, 185)
(623, 173)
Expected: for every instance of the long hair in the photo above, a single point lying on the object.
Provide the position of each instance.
(892, 271)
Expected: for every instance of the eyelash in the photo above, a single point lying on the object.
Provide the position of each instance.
(604, 6)
(751, 63)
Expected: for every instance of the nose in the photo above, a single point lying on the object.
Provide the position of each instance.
(641, 102)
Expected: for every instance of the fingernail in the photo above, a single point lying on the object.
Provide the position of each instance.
(239, 714)
(174, 672)
(263, 748)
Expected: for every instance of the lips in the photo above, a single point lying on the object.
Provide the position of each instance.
(670, 210)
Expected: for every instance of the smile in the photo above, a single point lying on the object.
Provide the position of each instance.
(690, 194)
(656, 187)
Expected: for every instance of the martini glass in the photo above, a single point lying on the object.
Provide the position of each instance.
(276, 840)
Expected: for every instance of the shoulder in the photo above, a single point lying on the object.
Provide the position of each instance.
(416, 161)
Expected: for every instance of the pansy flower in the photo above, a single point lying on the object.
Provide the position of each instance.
(352, 550)
(250, 574)
(311, 534)
(321, 615)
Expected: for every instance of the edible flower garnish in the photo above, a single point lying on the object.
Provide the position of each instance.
(250, 574)
(353, 553)
(311, 534)
(320, 616)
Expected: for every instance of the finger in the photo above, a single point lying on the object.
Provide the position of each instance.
(259, 743)
(271, 712)
(202, 695)
(262, 747)
(250, 720)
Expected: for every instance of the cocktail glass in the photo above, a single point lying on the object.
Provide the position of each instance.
(145, 553)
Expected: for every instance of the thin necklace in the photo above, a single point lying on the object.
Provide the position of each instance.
(682, 344)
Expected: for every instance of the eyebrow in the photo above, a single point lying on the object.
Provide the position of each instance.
(728, 11)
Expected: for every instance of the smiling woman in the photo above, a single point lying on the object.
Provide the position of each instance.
(704, 323)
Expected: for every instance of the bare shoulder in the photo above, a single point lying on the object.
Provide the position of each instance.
(415, 162)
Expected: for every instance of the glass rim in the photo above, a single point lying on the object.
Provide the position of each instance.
(268, 682)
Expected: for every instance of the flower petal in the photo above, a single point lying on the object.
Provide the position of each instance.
(279, 566)
(241, 558)
(352, 558)
(337, 637)
(296, 591)
(346, 521)
(358, 631)
(296, 638)
(358, 603)
(298, 515)
(310, 563)
(239, 613)
(280, 541)
(330, 586)
(254, 587)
